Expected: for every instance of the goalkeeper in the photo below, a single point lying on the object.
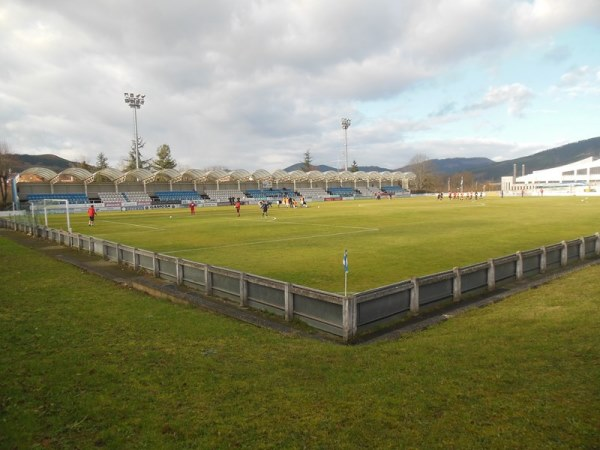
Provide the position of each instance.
(91, 215)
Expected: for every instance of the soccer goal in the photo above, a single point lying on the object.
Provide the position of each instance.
(41, 208)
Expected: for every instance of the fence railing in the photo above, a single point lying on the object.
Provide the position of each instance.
(343, 316)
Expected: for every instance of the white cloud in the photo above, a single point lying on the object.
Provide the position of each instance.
(250, 84)
(515, 96)
(543, 16)
(579, 81)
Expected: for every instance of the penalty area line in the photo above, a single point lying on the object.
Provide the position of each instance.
(270, 241)
(315, 225)
(133, 225)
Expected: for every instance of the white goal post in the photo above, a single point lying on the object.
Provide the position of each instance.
(52, 206)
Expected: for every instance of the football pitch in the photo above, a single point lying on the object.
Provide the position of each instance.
(387, 240)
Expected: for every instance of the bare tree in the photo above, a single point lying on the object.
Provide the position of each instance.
(6, 160)
(421, 166)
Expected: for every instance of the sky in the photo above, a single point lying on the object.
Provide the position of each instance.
(256, 84)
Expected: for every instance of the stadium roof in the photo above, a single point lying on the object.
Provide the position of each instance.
(219, 175)
(39, 172)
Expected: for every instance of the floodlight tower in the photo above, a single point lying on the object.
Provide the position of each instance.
(345, 125)
(135, 102)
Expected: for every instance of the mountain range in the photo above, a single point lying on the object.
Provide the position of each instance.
(483, 169)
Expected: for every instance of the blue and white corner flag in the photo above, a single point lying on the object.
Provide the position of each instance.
(345, 261)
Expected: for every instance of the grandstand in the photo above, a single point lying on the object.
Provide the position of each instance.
(177, 196)
(370, 191)
(223, 195)
(140, 197)
(269, 194)
(343, 192)
(169, 187)
(395, 190)
(313, 193)
(111, 197)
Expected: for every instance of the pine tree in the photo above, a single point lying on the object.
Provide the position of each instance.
(163, 158)
(101, 161)
(353, 167)
(130, 162)
(307, 164)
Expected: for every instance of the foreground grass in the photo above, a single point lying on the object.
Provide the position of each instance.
(85, 363)
(387, 241)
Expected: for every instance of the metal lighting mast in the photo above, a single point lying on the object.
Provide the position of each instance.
(345, 125)
(135, 102)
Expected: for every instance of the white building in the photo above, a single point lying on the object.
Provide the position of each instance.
(578, 178)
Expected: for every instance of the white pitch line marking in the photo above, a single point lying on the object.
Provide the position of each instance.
(271, 241)
(133, 225)
(324, 225)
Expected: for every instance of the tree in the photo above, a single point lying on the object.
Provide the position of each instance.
(6, 160)
(353, 167)
(130, 162)
(84, 165)
(307, 164)
(101, 161)
(163, 158)
(421, 166)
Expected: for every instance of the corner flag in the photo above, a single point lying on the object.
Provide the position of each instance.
(345, 261)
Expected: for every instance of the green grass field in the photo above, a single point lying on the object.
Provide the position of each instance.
(387, 241)
(86, 363)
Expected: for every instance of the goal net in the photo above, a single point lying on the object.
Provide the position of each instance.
(40, 210)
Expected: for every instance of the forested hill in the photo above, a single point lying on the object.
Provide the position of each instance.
(19, 163)
(449, 166)
(483, 168)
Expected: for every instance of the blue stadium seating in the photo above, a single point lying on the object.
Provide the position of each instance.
(342, 191)
(268, 193)
(72, 198)
(166, 196)
(393, 189)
